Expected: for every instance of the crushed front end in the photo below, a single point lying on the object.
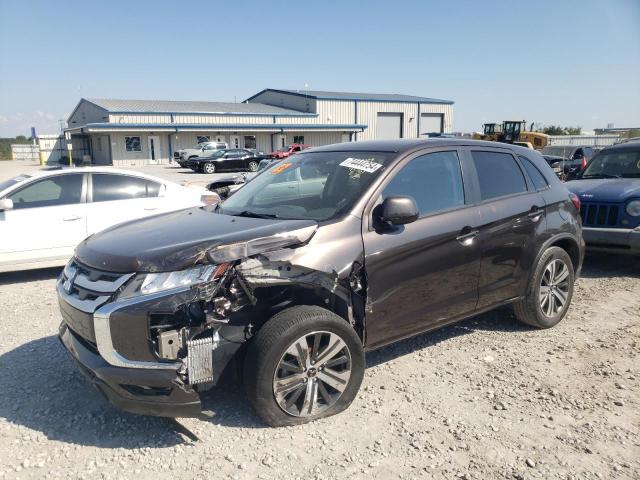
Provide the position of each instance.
(153, 342)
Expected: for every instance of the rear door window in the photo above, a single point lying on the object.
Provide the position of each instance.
(498, 174)
(49, 192)
(433, 180)
(108, 187)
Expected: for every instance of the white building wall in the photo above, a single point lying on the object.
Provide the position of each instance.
(330, 112)
(285, 100)
(121, 157)
(445, 109)
(368, 115)
(87, 112)
(139, 118)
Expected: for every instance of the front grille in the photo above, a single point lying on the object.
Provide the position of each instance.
(86, 289)
(600, 215)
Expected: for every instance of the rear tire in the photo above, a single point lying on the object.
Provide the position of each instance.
(253, 166)
(549, 292)
(291, 359)
(209, 168)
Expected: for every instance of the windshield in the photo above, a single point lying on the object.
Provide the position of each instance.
(614, 164)
(556, 151)
(12, 181)
(317, 186)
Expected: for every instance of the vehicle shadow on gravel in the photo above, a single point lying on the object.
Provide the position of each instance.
(607, 265)
(499, 320)
(42, 389)
(29, 275)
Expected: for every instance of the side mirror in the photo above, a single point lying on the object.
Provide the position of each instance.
(399, 210)
(6, 204)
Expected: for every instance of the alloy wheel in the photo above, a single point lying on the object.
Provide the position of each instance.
(312, 374)
(554, 287)
(253, 166)
(209, 168)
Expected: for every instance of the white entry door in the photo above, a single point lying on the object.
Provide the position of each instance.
(234, 141)
(155, 153)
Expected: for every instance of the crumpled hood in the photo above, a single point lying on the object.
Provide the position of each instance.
(174, 241)
(614, 190)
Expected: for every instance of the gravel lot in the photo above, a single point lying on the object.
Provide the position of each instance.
(488, 398)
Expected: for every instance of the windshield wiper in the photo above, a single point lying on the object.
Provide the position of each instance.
(248, 213)
(601, 175)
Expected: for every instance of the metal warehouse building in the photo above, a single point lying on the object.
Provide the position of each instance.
(125, 132)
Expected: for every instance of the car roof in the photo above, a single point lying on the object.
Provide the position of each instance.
(406, 145)
(634, 145)
(48, 172)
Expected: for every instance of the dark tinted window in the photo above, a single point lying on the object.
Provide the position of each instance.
(49, 192)
(534, 174)
(433, 180)
(117, 187)
(498, 174)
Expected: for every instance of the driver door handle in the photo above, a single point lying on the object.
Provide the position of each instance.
(71, 218)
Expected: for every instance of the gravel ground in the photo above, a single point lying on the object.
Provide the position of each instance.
(488, 398)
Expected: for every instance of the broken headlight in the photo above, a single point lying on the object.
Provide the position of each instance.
(145, 284)
(158, 282)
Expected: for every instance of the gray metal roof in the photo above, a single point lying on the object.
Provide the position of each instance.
(179, 106)
(381, 97)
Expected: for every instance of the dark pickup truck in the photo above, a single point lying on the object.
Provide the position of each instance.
(567, 160)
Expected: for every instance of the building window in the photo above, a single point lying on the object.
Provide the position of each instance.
(298, 139)
(203, 138)
(249, 141)
(132, 144)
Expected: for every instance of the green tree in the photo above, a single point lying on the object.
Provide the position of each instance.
(553, 130)
(558, 130)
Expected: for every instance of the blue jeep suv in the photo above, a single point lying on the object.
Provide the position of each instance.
(609, 190)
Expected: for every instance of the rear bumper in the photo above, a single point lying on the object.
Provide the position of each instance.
(615, 240)
(141, 391)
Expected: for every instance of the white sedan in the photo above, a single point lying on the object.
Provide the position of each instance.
(43, 216)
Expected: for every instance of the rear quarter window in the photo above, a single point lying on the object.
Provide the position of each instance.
(536, 176)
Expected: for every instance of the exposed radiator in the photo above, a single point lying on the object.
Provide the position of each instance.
(200, 359)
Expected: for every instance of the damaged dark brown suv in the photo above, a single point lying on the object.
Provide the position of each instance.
(332, 252)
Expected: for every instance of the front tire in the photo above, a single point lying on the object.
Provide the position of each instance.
(549, 292)
(209, 168)
(305, 363)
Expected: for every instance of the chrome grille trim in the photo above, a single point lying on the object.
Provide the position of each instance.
(101, 286)
(103, 332)
(87, 305)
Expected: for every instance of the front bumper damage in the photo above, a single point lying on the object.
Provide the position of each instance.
(156, 354)
(141, 391)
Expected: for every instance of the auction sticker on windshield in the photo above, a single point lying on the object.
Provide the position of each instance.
(365, 165)
(280, 168)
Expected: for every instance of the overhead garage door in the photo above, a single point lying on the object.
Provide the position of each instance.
(389, 126)
(431, 123)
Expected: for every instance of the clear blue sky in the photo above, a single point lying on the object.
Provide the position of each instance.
(554, 62)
